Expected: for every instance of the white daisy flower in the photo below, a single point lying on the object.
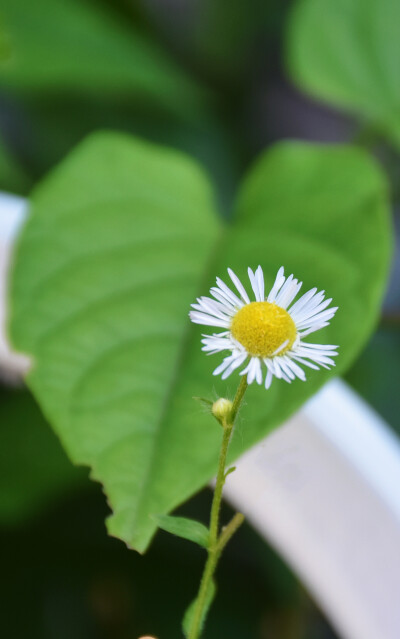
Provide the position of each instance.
(265, 335)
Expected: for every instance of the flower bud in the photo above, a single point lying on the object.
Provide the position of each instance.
(222, 408)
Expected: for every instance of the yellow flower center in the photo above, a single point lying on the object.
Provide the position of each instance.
(262, 327)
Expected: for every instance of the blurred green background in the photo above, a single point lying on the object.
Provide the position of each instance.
(209, 77)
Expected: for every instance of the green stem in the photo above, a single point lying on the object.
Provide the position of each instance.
(229, 530)
(215, 544)
(238, 398)
(219, 485)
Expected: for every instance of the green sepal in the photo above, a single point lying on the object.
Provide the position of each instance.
(204, 401)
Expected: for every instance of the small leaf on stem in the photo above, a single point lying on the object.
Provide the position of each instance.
(183, 527)
(229, 471)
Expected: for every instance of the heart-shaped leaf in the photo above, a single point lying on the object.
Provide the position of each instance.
(347, 52)
(122, 237)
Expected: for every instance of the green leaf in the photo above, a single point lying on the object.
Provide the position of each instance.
(122, 237)
(183, 527)
(187, 619)
(229, 471)
(74, 47)
(346, 52)
(34, 470)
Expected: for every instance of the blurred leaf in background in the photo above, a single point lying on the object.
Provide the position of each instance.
(77, 66)
(64, 122)
(347, 52)
(75, 45)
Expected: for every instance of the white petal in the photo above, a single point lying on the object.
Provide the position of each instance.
(295, 368)
(260, 282)
(250, 370)
(305, 362)
(316, 310)
(284, 298)
(322, 317)
(223, 307)
(312, 303)
(321, 346)
(223, 299)
(287, 287)
(301, 302)
(215, 344)
(254, 284)
(239, 286)
(280, 348)
(251, 375)
(258, 371)
(230, 294)
(238, 361)
(312, 329)
(308, 351)
(207, 306)
(279, 281)
(227, 361)
(321, 359)
(269, 364)
(286, 368)
(316, 356)
(276, 369)
(268, 379)
(253, 371)
(207, 320)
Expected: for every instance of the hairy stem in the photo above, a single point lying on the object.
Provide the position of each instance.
(217, 544)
